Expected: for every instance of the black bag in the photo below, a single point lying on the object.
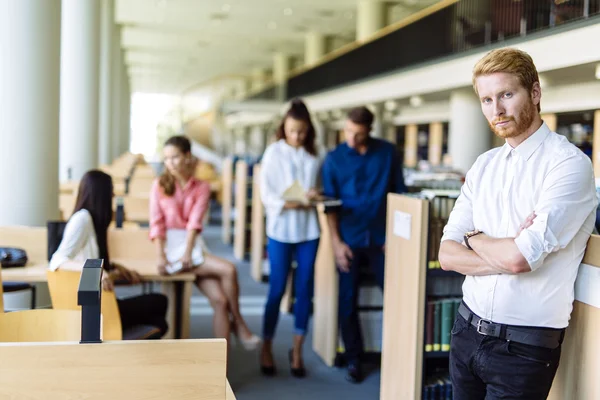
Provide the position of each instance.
(11, 257)
(56, 229)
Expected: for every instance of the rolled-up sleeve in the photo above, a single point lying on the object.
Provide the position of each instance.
(157, 216)
(567, 200)
(460, 220)
(199, 208)
(271, 184)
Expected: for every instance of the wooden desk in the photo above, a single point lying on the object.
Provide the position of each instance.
(131, 248)
(178, 288)
(115, 370)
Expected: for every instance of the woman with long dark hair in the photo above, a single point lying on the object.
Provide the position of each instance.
(85, 236)
(178, 203)
(292, 228)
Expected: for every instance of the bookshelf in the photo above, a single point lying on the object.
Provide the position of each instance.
(420, 299)
(227, 196)
(242, 207)
(258, 237)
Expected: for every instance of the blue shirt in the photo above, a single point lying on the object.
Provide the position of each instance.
(362, 182)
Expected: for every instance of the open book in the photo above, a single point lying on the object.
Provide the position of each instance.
(297, 193)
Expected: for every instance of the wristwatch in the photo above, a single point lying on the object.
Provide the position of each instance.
(470, 235)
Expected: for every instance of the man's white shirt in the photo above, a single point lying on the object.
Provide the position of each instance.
(551, 177)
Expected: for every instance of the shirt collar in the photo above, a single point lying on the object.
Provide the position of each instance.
(370, 145)
(530, 145)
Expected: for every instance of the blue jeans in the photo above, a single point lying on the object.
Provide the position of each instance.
(280, 257)
(485, 367)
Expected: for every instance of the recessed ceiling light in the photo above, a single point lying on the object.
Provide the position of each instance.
(272, 25)
(416, 101)
(226, 7)
(288, 11)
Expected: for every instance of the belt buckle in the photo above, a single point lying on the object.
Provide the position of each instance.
(480, 324)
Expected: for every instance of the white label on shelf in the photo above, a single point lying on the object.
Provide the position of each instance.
(402, 224)
(587, 285)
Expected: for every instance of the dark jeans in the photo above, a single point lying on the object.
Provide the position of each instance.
(349, 283)
(145, 309)
(484, 367)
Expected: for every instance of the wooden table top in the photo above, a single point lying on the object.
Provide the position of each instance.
(35, 271)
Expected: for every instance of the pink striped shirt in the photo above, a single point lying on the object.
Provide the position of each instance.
(184, 210)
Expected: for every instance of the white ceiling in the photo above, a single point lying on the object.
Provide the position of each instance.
(174, 45)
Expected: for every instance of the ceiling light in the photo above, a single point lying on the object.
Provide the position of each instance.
(598, 71)
(416, 101)
(272, 25)
(390, 105)
(288, 11)
(226, 7)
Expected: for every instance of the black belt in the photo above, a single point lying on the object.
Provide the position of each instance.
(541, 337)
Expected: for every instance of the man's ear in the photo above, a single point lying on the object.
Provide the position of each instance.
(536, 93)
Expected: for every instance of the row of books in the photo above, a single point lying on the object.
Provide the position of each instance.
(437, 388)
(439, 320)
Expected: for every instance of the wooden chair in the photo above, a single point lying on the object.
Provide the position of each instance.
(63, 286)
(40, 326)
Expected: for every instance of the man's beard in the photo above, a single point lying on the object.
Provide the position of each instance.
(520, 124)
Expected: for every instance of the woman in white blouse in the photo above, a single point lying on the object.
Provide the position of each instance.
(85, 236)
(292, 228)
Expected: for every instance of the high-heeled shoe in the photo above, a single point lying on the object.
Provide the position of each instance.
(248, 344)
(268, 371)
(296, 372)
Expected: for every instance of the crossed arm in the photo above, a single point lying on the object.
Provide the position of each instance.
(490, 256)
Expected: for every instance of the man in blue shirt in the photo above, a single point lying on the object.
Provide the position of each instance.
(360, 172)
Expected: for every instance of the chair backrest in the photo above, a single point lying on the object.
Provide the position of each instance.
(63, 286)
(40, 326)
(131, 244)
(124, 370)
(32, 239)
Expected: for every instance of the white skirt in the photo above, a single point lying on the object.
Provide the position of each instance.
(175, 248)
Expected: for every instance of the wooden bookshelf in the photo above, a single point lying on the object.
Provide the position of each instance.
(241, 210)
(257, 252)
(227, 195)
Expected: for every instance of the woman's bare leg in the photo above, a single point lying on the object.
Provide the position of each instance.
(225, 272)
(211, 287)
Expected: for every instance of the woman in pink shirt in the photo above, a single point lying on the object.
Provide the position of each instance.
(178, 204)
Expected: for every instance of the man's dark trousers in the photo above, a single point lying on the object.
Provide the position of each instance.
(348, 298)
(485, 367)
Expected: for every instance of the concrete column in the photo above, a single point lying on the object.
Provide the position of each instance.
(116, 96)
(378, 123)
(259, 77)
(469, 133)
(106, 74)
(436, 139)
(79, 88)
(315, 47)
(550, 120)
(29, 111)
(411, 133)
(281, 68)
(125, 131)
(371, 18)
